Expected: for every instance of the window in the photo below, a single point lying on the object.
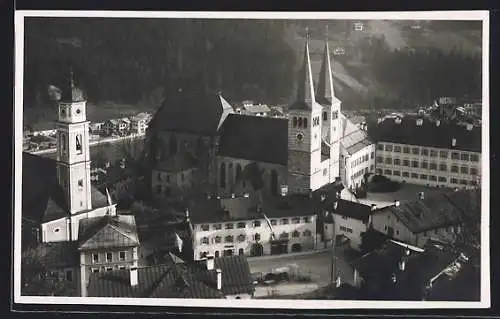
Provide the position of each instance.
(473, 171)
(256, 237)
(423, 176)
(425, 164)
(397, 161)
(443, 167)
(345, 217)
(241, 225)
(454, 168)
(443, 154)
(397, 149)
(406, 149)
(434, 153)
(95, 258)
(307, 233)
(296, 220)
(241, 238)
(464, 157)
(307, 220)
(387, 172)
(229, 226)
(388, 148)
(371, 168)
(284, 221)
(94, 270)
(228, 252)
(454, 181)
(463, 182)
(121, 255)
(425, 152)
(217, 226)
(455, 155)
(474, 158)
(256, 223)
(203, 254)
(406, 174)
(380, 159)
(396, 173)
(464, 170)
(305, 122)
(442, 179)
(205, 227)
(415, 150)
(294, 121)
(204, 241)
(229, 239)
(295, 234)
(372, 155)
(109, 268)
(217, 239)
(284, 235)
(433, 178)
(121, 267)
(388, 160)
(414, 175)
(406, 162)
(217, 254)
(345, 229)
(69, 275)
(433, 166)
(325, 116)
(380, 146)
(78, 144)
(414, 163)
(274, 222)
(378, 171)
(240, 252)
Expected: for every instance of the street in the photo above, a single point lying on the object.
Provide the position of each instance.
(317, 265)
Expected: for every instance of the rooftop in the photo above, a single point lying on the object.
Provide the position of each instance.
(262, 139)
(43, 199)
(354, 210)
(107, 231)
(58, 254)
(427, 134)
(354, 139)
(257, 108)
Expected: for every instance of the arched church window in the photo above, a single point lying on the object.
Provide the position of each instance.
(305, 122)
(78, 144)
(222, 175)
(294, 121)
(238, 171)
(300, 122)
(325, 116)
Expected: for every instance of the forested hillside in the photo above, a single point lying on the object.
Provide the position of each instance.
(390, 64)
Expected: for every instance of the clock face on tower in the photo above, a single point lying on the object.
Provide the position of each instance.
(300, 137)
(78, 111)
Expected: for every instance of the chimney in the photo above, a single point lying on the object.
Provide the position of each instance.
(420, 122)
(232, 195)
(421, 195)
(219, 279)
(397, 120)
(469, 126)
(402, 264)
(218, 197)
(134, 280)
(374, 207)
(438, 122)
(453, 142)
(396, 203)
(284, 190)
(210, 262)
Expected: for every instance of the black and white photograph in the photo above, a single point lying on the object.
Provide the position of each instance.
(252, 159)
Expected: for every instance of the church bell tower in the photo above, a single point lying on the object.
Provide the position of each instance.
(73, 156)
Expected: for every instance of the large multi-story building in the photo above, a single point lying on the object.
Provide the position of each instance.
(419, 151)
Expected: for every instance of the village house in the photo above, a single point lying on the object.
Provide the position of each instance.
(96, 127)
(139, 123)
(214, 278)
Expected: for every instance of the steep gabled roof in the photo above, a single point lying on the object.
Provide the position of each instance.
(254, 138)
(198, 113)
(107, 231)
(354, 210)
(305, 99)
(325, 94)
(353, 138)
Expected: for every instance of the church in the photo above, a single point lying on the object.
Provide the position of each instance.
(314, 147)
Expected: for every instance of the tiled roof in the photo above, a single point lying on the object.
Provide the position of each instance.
(198, 113)
(178, 162)
(353, 210)
(428, 134)
(353, 138)
(160, 281)
(107, 231)
(43, 199)
(58, 254)
(469, 201)
(261, 139)
(431, 213)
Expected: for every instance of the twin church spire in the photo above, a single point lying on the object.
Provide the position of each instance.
(306, 94)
